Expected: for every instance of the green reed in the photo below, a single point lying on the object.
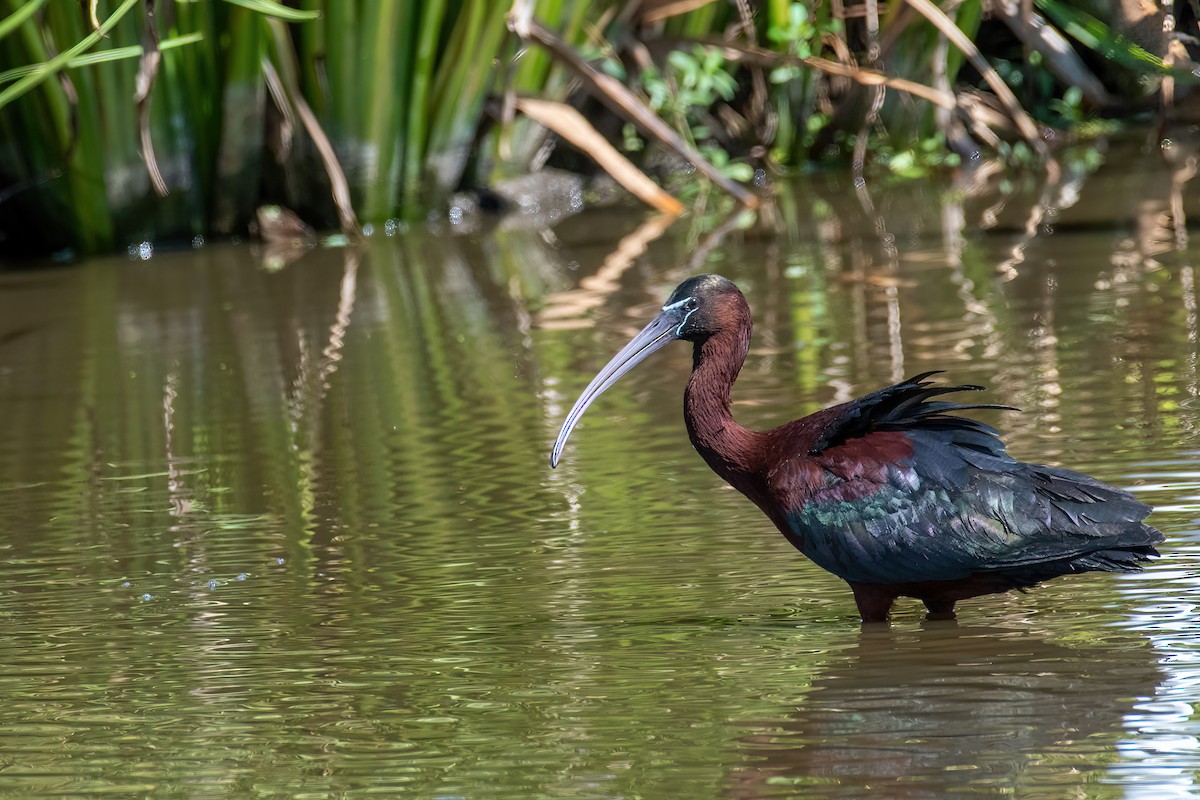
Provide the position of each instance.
(397, 85)
(398, 89)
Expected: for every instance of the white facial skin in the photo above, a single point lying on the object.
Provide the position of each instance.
(679, 305)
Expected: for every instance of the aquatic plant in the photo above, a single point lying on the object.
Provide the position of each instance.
(123, 121)
(243, 101)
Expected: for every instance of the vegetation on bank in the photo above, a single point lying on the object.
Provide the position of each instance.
(131, 120)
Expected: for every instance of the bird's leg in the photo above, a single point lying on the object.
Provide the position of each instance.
(940, 609)
(874, 601)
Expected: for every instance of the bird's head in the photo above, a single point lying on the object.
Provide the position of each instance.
(704, 304)
(698, 308)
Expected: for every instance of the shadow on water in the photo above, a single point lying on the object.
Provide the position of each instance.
(947, 710)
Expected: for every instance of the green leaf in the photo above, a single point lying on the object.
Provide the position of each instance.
(683, 62)
(1095, 35)
(725, 85)
(798, 14)
(273, 9)
(102, 56)
(613, 68)
(739, 172)
(10, 23)
(59, 62)
(784, 74)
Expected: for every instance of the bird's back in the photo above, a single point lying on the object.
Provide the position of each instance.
(897, 488)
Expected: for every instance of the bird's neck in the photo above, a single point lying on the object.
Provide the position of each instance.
(728, 447)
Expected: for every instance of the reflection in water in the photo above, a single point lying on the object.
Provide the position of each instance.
(1161, 756)
(960, 708)
(294, 532)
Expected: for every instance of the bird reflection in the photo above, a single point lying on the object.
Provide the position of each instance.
(947, 709)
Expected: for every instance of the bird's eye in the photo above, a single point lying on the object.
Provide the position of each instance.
(692, 304)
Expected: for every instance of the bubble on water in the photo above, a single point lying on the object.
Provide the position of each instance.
(142, 251)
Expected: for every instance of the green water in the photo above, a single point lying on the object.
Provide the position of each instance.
(294, 534)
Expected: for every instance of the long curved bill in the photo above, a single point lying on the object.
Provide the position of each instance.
(660, 332)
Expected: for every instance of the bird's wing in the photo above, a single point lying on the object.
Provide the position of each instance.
(903, 406)
(903, 491)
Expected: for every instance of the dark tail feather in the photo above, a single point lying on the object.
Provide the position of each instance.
(1123, 560)
(1128, 556)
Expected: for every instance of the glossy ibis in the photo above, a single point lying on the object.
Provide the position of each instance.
(894, 492)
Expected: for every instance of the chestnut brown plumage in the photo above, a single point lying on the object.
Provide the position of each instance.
(894, 492)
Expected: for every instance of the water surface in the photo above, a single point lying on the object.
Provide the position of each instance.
(293, 533)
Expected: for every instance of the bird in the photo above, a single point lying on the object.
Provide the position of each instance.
(897, 493)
